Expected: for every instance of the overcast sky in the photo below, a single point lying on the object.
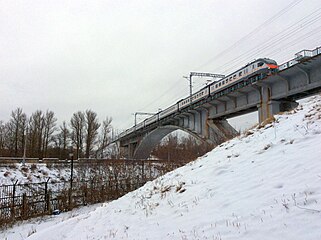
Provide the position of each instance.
(120, 57)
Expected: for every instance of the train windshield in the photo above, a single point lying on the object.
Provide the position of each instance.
(270, 61)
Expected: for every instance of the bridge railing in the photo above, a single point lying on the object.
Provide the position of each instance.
(300, 56)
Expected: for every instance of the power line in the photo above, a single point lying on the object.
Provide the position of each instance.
(243, 39)
(162, 95)
(284, 34)
(299, 39)
(267, 22)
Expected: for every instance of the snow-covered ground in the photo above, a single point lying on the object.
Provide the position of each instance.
(33, 173)
(265, 184)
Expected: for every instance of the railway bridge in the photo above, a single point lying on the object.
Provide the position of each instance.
(206, 119)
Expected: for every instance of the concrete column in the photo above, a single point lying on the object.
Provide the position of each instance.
(263, 107)
(191, 122)
(197, 119)
(131, 149)
(186, 122)
(267, 107)
(220, 131)
(212, 110)
(124, 151)
(204, 126)
(181, 122)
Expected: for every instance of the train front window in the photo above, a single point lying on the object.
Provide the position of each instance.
(260, 64)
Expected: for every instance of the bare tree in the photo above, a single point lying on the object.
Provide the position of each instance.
(49, 129)
(14, 131)
(63, 140)
(104, 137)
(2, 139)
(41, 140)
(92, 126)
(77, 124)
(36, 132)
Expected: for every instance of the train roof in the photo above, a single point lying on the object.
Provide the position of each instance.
(265, 60)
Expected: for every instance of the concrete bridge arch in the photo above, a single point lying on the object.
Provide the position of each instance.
(220, 130)
(153, 138)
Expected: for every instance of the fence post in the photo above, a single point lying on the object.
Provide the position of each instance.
(46, 196)
(102, 192)
(143, 171)
(85, 193)
(24, 206)
(91, 190)
(13, 199)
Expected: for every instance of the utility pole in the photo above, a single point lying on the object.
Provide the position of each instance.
(25, 148)
(71, 156)
(142, 113)
(199, 74)
(190, 87)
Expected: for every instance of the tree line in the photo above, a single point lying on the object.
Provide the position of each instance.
(40, 136)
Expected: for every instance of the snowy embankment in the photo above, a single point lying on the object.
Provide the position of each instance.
(265, 184)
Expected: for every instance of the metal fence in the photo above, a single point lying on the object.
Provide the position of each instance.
(23, 201)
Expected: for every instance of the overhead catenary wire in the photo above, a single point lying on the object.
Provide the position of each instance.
(287, 33)
(257, 29)
(269, 51)
(300, 39)
(267, 22)
(162, 95)
(284, 35)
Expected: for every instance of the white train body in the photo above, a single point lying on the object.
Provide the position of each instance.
(168, 111)
(244, 73)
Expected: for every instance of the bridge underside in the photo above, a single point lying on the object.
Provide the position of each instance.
(151, 140)
(207, 118)
(217, 131)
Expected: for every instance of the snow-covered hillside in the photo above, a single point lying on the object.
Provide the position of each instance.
(265, 184)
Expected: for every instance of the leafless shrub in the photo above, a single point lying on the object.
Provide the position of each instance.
(33, 167)
(13, 166)
(29, 178)
(45, 173)
(267, 121)
(24, 169)
(184, 149)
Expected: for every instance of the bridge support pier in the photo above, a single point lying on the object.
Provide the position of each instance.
(220, 131)
(129, 149)
(267, 107)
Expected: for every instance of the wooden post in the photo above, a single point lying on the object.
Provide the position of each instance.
(46, 210)
(24, 211)
(13, 200)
